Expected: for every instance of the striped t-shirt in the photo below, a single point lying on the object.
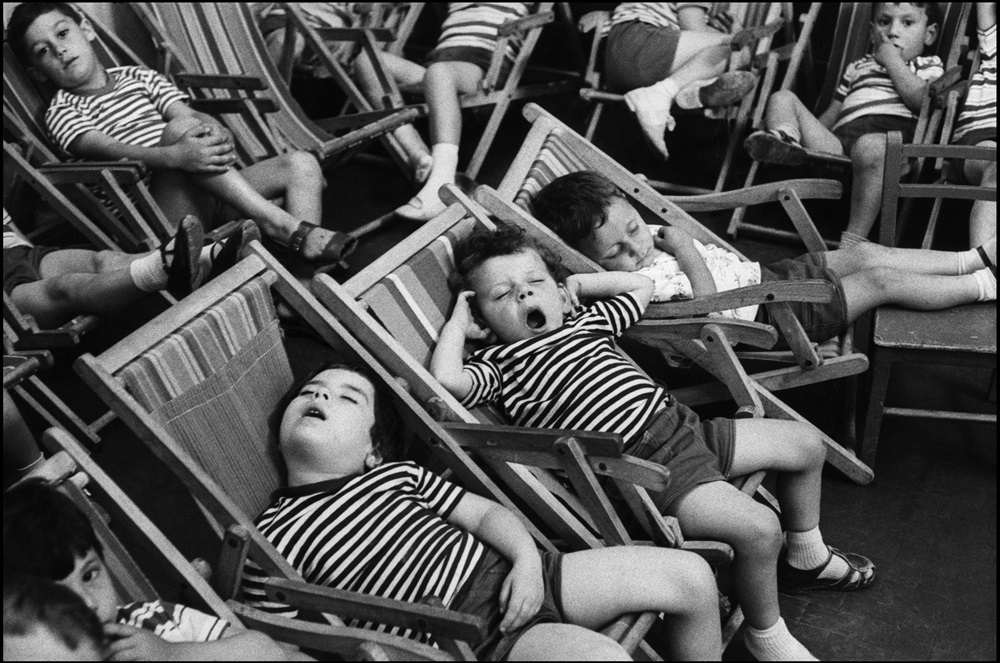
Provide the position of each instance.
(132, 112)
(978, 120)
(572, 377)
(658, 14)
(866, 89)
(476, 25)
(172, 622)
(382, 533)
(12, 237)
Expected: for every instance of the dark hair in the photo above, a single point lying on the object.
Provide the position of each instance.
(31, 603)
(930, 8)
(44, 532)
(386, 432)
(24, 15)
(575, 205)
(483, 244)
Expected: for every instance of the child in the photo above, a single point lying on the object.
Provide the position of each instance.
(45, 535)
(879, 93)
(469, 36)
(54, 285)
(353, 518)
(43, 621)
(135, 113)
(557, 366)
(592, 215)
(977, 124)
(661, 53)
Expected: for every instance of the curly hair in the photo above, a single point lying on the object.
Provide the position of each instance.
(575, 205)
(483, 244)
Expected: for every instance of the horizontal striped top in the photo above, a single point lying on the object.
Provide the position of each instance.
(572, 377)
(382, 533)
(866, 89)
(172, 622)
(476, 24)
(11, 235)
(132, 112)
(978, 119)
(659, 14)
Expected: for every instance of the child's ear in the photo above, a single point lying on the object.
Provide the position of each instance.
(373, 460)
(567, 303)
(931, 35)
(88, 29)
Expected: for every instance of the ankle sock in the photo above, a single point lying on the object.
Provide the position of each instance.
(775, 643)
(986, 281)
(445, 158)
(977, 257)
(788, 133)
(806, 550)
(688, 97)
(148, 273)
(205, 259)
(848, 239)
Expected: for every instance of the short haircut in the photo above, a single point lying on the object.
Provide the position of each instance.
(44, 532)
(31, 603)
(483, 244)
(387, 431)
(930, 8)
(575, 205)
(24, 15)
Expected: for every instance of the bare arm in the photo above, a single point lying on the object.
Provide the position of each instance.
(129, 643)
(680, 245)
(911, 88)
(696, 19)
(446, 360)
(609, 284)
(986, 15)
(829, 116)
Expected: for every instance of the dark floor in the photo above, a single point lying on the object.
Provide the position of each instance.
(928, 521)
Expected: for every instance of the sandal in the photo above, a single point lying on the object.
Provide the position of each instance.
(774, 147)
(183, 267)
(228, 252)
(861, 574)
(340, 245)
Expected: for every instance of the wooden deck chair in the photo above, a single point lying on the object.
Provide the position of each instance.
(961, 336)
(199, 384)
(759, 22)
(222, 39)
(851, 41)
(552, 149)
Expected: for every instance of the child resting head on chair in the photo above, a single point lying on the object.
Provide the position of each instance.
(557, 366)
(136, 113)
(44, 621)
(593, 215)
(46, 536)
(404, 533)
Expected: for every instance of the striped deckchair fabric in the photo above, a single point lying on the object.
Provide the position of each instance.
(554, 160)
(217, 379)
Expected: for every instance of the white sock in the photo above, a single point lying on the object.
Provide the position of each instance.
(148, 273)
(806, 550)
(790, 130)
(986, 281)
(688, 96)
(775, 643)
(445, 158)
(205, 258)
(972, 261)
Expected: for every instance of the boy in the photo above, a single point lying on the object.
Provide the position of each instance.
(879, 93)
(469, 36)
(660, 53)
(558, 367)
(43, 621)
(46, 536)
(135, 113)
(977, 124)
(592, 215)
(351, 518)
(55, 285)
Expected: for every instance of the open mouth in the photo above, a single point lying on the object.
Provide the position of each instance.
(535, 319)
(315, 412)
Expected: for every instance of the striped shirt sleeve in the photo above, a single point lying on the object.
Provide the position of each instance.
(621, 311)
(487, 380)
(440, 495)
(978, 120)
(172, 622)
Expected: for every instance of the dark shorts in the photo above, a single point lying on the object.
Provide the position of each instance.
(820, 321)
(874, 124)
(638, 54)
(694, 451)
(481, 597)
(984, 137)
(477, 56)
(22, 264)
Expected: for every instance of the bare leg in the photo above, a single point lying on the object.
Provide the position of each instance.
(600, 585)
(983, 220)
(402, 71)
(870, 288)
(565, 642)
(868, 255)
(868, 160)
(20, 451)
(700, 55)
(786, 111)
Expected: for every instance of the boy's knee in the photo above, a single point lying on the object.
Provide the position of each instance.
(761, 532)
(176, 128)
(869, 151)
(695, 579)
(302, 166)
(566, 642)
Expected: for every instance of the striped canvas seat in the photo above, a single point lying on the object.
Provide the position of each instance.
(214, 384)
(554, 160)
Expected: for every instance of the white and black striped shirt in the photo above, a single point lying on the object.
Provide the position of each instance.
(476, 25)
(132, 112)
(573, 377)
(381, 533)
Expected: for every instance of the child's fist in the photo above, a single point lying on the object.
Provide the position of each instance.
(463, 318)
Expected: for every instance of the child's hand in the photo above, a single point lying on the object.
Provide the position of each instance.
(572, 286)
(462, 317)
(884, 50)
(207, 148)
(522, 593)
(670, 239)
(129, 643)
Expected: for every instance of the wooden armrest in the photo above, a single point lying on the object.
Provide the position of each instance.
(527, 23)
(806, 189)
(747, 36)
(807, 290)
(593, 21)
(947, 79)
(782, 53)
(660, 332)
(354, 34)
(416, 616)
(93, 172)
(18, 367)
(66, 336)
(224, 81)
(234, 106)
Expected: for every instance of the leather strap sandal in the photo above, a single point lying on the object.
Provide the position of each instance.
(183, 267)
(339, 247)
(228, 252)
(860, 574)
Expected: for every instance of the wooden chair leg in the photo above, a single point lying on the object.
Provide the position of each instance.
(876, 400)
